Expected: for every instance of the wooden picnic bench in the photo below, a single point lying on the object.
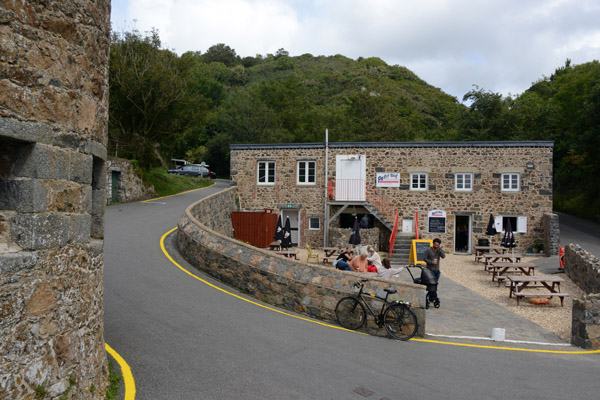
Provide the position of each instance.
(495, 257)
(276, 245)
(479, 250)
(331, 252)
(499, 270)
(287, 253)
(519, 284)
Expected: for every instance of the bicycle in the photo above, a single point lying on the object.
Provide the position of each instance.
(399, 320)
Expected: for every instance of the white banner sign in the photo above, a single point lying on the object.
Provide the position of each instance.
(388, 179)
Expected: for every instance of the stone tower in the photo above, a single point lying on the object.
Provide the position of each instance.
(53, 133)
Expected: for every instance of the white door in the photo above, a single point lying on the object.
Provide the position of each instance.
(292, 214)
(350, 178)
(407, 225)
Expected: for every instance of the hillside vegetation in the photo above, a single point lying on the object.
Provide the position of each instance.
(193, 106)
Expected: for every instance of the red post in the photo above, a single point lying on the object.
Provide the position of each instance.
(416, 225)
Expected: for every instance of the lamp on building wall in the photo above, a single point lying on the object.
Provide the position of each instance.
(529, 165)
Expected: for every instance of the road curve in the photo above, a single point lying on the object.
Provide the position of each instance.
(186, 340)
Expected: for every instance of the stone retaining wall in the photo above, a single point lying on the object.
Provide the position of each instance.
(129, 185)
(585, 330)
(294, 285)
(584, 269)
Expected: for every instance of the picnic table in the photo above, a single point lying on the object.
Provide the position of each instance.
(292, 253)
(276, 245)
(479, 250)
(500, 269)
(519, 285)
(330, 251)
(495, 257)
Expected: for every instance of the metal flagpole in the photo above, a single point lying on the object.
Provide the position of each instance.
(326, 217)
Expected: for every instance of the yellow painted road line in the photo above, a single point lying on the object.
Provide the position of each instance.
(125, 371)
(162, 246)
(177, 194)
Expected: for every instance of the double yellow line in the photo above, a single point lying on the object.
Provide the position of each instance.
(162, 246)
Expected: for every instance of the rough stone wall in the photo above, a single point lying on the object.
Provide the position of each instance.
(305, 288)
(585, 331)
(130, 186)
(551, 234)
(53, 132)
(583, 268)
(487, 163)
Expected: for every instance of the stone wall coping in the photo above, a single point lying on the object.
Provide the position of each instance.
(188, 214)
(262, 146)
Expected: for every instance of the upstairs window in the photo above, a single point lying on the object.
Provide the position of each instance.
(510, 182)
(418, 181)
(266, 172)
(306, 172)
(463, 182)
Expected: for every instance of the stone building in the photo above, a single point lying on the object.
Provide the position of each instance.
(53, 135)
(443, 189)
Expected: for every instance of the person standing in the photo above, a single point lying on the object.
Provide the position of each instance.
(432, 258)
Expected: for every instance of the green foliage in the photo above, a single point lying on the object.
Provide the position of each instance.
(40, 392)
(163, 106)
(115, 380)
(166, 184)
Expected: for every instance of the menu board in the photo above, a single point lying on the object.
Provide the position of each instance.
(437, 225)
(417, 250)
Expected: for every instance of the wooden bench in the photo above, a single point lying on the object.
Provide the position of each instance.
(518, 295)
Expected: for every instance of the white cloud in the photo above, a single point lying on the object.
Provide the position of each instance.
(502, 46)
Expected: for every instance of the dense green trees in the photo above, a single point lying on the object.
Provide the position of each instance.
(163, 106)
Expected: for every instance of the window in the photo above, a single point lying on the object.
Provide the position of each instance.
(518, 224)
(463, 181)
(510, 182)
(266, 172)
(306, 172)
(314, 223)
(418, 181)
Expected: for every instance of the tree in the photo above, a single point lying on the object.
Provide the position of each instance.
(221, 53)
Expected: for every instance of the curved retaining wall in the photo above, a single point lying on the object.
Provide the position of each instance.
(309, 289)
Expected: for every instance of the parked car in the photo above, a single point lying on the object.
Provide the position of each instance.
(191, 170)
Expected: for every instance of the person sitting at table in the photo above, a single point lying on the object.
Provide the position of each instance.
(343, 260)
(386, 271)
(360, 263)
(373, 259)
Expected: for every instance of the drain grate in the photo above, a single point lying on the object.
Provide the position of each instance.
(363, 391)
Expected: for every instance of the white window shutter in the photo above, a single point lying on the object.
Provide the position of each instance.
(522, 224)
(498, 224)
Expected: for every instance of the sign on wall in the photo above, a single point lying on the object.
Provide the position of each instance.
(388, 179)
(437, 221)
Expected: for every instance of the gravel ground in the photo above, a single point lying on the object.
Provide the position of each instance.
(465, 271)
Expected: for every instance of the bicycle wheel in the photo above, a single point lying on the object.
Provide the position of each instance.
(400, 322)
(350, 313)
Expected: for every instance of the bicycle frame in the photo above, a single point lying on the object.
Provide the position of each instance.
(386, 304)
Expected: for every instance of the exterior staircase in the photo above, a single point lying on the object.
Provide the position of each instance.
(401, 252)
(375, 212)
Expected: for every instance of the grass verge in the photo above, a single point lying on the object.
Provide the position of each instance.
(166, 184)
(115, 380)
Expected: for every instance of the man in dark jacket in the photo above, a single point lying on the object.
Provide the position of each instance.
(432, 259)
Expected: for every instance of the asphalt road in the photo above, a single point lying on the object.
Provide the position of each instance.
(186, 340)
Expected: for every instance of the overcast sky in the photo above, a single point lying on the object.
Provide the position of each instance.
(500, 45)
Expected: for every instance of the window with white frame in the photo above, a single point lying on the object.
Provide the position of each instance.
(306, 172)
(418, 181)
(266, 172)
(463, 181)
(510, 182)
(314, 223)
